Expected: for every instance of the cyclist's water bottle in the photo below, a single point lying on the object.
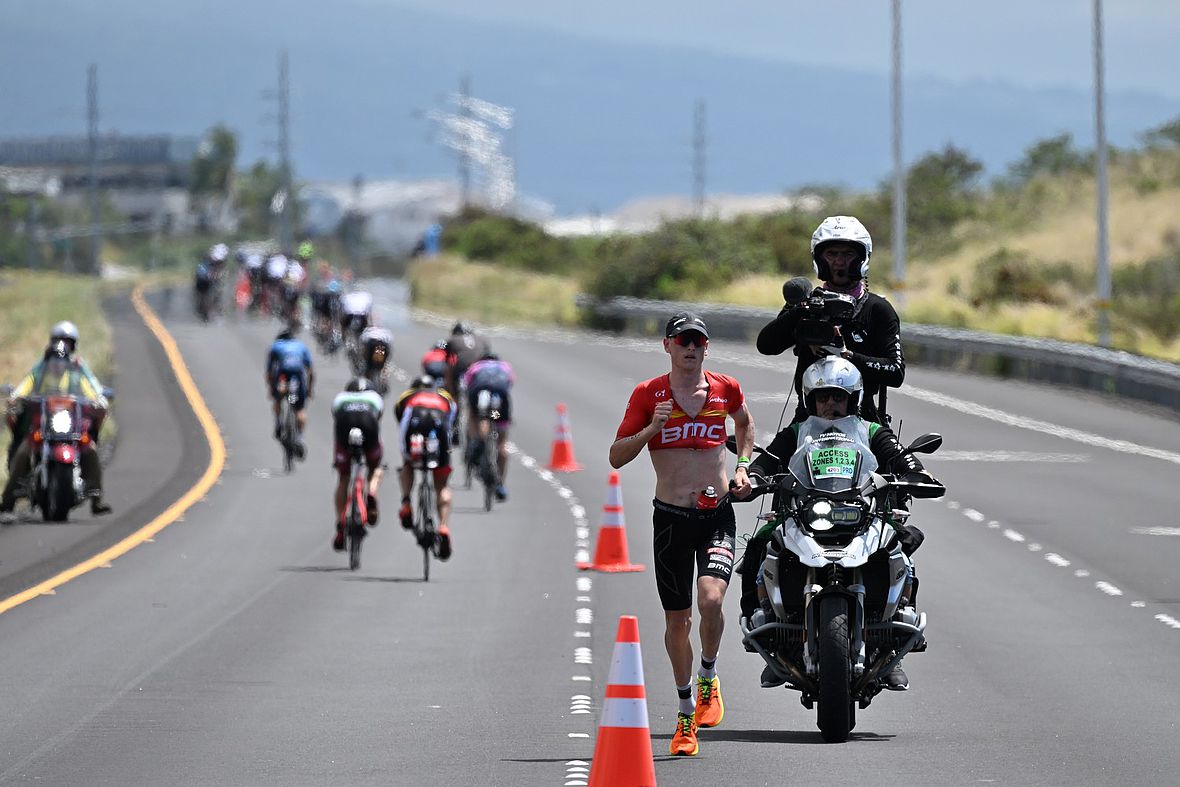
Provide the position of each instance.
(432, 444)
(416, 442)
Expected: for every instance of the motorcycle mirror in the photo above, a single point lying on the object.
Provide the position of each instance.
(926, 444)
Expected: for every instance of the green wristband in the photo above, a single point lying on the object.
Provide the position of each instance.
(743, 461)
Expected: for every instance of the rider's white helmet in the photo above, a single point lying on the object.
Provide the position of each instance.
(847, 229)
(832, 371)
(64, 331)
(219, 253)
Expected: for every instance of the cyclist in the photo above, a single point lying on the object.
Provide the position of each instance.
(464, 347)
(289, 361)
(376, 347)
(272, 281)
(489, 376)
(356, 312)
(60, 370)
(424, 408)
(202, 284)
(293, 283)
(360, 407)
(434, 362)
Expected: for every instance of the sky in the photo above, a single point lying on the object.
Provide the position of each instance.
(1033, 43)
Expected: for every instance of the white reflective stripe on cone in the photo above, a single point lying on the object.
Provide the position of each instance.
(626, 668)
(624, 713)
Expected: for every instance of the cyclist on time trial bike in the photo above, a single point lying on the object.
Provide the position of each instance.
(424, 408)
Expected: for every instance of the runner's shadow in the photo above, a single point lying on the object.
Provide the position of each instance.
(775, 736)
(314, 569)
(362, 578)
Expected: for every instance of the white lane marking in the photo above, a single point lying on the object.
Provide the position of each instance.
(583, 656)
(1057, 560)
(1108, 588)
(584, 616)
(1012, 456)
(578, 735)
(584, 584)
(1034, 425)
(581, 634)
(953, 505)
(1012, 535)
(993, 524)
(1156, 531)
(583, 599)
(1168, 620)
(1035, 547)
(1138, 604)
(973, 515)
(581, 677)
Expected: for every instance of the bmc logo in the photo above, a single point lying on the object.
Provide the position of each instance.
(672, 434)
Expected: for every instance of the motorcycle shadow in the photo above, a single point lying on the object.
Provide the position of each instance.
(810, 737)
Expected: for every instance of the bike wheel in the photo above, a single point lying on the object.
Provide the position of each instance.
(834, 707)
(489, 470)
(356, 525)
(424, 522)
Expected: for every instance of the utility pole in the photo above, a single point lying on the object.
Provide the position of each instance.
(464, 156)
(899, 190)
(1100, 140)
(284, 98)
(698, 159)
(94, 266)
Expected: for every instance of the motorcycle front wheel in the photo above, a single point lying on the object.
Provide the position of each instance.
(835, 705)
(59, 493)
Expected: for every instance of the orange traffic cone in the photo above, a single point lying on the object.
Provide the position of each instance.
(562, 458)
(611, 552)
(622, 753)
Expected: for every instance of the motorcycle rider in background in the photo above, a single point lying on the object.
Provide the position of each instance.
(870, 338)
(58, 371)
(832, 391)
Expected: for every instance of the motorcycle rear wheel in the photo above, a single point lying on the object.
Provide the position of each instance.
(834, 712)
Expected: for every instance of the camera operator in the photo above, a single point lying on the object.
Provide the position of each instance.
(841, 317)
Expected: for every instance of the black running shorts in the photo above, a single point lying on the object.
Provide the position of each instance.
(687, 536)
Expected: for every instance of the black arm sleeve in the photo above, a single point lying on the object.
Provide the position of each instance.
(881, 360)
(782, 446)
(888, 451)
(778, 335)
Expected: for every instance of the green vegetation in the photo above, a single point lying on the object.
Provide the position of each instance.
(1014, 256)
(31, 304)
(492, 293)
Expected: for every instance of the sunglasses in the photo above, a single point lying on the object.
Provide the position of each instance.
(835, 395)
(691, 339)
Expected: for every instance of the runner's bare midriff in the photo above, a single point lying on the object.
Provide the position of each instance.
(681, 473)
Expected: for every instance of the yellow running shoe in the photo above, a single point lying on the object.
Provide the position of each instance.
(710, 709)
(684, 742)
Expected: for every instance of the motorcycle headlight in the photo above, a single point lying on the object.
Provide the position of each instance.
(823, 515)
(61, 422)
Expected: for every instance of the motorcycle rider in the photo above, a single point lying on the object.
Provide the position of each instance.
(357, 406)
(421, 409)
(496, 377)
(832, 390)
(693, 531)
(289, 360)
(870, 339)
(376, 347)
(60, 370)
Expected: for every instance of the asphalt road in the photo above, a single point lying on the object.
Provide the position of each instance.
(237, 649)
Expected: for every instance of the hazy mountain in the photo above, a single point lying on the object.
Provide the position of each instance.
(597, 124)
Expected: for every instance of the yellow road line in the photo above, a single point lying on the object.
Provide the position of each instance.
(173, 512)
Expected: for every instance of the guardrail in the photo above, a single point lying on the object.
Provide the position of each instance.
(1083, 366)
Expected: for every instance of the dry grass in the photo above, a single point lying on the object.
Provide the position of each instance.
(492, 294)
(31, 304)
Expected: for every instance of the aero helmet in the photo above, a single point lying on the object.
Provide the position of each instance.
(832, 372)
(423, 381)
(358, 384)
(846, 229)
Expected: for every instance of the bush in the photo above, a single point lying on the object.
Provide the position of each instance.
(1014, 276)
(478, 235)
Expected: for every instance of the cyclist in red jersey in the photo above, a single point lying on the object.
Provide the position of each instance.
(681, 418)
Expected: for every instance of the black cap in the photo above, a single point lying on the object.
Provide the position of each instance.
(685, 321)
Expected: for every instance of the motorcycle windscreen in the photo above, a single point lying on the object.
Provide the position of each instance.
(833, 456)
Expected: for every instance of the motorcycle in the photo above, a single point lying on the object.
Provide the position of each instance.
(59, 431)
(832, 623)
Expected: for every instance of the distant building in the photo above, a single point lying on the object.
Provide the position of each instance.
(146, 178)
